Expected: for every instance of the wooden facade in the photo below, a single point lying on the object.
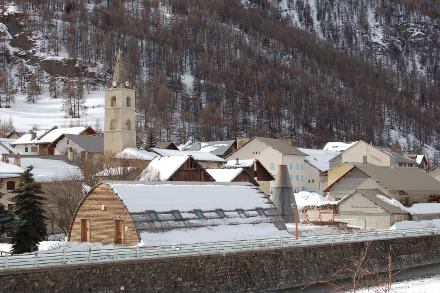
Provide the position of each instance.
(191, 171)
(102, 217)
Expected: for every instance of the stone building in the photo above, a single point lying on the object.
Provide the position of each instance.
(120, 112)
(174, 212)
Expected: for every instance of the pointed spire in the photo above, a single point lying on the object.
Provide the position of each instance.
(120, 75)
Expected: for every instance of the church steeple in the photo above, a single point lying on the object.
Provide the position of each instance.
(120, 77)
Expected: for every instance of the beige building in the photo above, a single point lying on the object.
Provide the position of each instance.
(407, 185)
(9, 179)
(271, 153)
(80, 147)
(364, 209)
(362, 152)
(120, 112)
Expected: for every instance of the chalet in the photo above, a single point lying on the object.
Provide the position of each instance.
(174, 212)
(218, 148)
(206, 160)
(38, 142)
(272, 152)
(406, 185)
(257, 171)
(422, 161)
(231, 175)
(175, 168)
(79, 147)
(317, 164)
(168, 145)
(9, 179)
(369, 209)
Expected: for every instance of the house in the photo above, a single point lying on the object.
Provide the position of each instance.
(317, 164)
(406, 185)
(40, 142)
(218, 148)
(362, 152)
(337, 146)
(79, 147)
(257, 171)
(206, 160)
(175, 168)
(14, 135)
(174, 212)
(9, 179)
(422, 161)
(231, 175)
(272, 152)
(369, 209)
(168, 145)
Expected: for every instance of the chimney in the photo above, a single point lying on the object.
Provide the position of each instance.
(17, 159)
(198, 146)
(364, 159)
(283, 196)
(237, 161)
(70, 153)
(33, 135)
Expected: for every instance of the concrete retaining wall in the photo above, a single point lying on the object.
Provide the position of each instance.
(266, 270)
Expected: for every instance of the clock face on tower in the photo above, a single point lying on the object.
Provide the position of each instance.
(115, 83)
(127, 84)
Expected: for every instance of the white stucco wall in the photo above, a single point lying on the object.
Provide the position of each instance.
(21, 149)
(64, 144)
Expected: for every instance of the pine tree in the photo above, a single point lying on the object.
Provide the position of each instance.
(151, 138)
(28, 207)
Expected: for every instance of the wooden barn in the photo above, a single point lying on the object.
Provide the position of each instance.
(175, 168)
(174, 212)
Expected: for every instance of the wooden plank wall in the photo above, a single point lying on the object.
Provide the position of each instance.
(102, 223)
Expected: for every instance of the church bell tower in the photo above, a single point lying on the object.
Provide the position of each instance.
(120, 112)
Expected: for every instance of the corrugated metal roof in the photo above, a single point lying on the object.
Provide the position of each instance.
(217, 148)
(90, 143)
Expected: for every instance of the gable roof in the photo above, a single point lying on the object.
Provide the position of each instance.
(48, 136)
(372, 195)
(224, 175)
(162, 168)
(197, 155)
(274, 143)
(90, 143)
(218, 148)
(320, 159)
(398, 158)
(10, 170)
(136, 154)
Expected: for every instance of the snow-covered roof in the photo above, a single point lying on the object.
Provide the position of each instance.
(224, 175)
(51, 168)
(425, 208)
(188, 196)
(319, 159)
(136, 154)
(240, 163)
(214, 233)
(47, 135)
(305, 198)
(9, 170)
(115, 171)
(162, 168)
(337, 146)
(217, 148)
(197, 155)
(419, 159)
(5, 146)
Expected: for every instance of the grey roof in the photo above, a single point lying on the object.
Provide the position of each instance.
(398, 158)
(280, 146)
(411, 179)
(371, 194)
(90, 143)
(218, 147)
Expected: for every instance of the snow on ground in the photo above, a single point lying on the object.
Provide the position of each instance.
(423, 285)
(47, 112)
(430, 224)
(54, 246)
(310, 230)
(305, 198)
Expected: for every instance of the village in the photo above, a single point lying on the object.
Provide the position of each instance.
(111, 189)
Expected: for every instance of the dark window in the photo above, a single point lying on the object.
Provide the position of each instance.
(261, 212)
(177, 215)
(220, 213)
(67, 141)
(241, 213)
(25, 149)
(152, 216)
(10, 185)
(199, 214)
(128, 102)
(113, 102)
(10, 207)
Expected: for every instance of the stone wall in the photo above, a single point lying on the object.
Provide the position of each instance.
(264, 270)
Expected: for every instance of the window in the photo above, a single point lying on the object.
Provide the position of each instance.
(34, 149)
(128, 125)
(302, 177)
(241, 213)
(152, 216)
(297, 166)
(10, 185)
(303, 188)
(220, 213)
(297, 177)
(302, 166)
(10, 207)
(199, 214)
(119, 232)
(177, 215)
(112, 124)
(67, 141)
(128, 102)
(261, 212)
(26, 149)
(85, 230)
(113, 102)
(291, 166)
(313, 180)
(272, 166)
(290, 177)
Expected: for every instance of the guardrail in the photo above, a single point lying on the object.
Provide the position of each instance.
(48, 258)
